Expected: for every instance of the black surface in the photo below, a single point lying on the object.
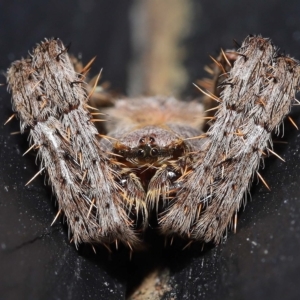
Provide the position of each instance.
(261, 261)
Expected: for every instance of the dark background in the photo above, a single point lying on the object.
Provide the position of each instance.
(37, 262)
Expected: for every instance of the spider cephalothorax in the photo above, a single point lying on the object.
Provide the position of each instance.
(147, 148)
(144, 147)
(155, 153)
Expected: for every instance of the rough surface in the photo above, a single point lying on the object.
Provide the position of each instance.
(261, 261)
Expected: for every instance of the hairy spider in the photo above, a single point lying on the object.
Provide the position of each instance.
(154, 158)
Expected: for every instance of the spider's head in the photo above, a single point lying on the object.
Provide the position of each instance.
(149, 148)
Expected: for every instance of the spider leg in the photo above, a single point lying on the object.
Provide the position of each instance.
(49, 98)
(256, 96)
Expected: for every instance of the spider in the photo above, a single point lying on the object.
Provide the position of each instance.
(154, 161)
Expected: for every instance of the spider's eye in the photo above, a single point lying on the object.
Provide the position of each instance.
(152, 139)
(171, 174)
(141, 153)
(123, 182)
(154, 152)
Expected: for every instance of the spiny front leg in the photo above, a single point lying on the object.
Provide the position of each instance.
(91, 188)
(257, 95)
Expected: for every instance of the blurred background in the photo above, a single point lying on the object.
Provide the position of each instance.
(147, 47)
